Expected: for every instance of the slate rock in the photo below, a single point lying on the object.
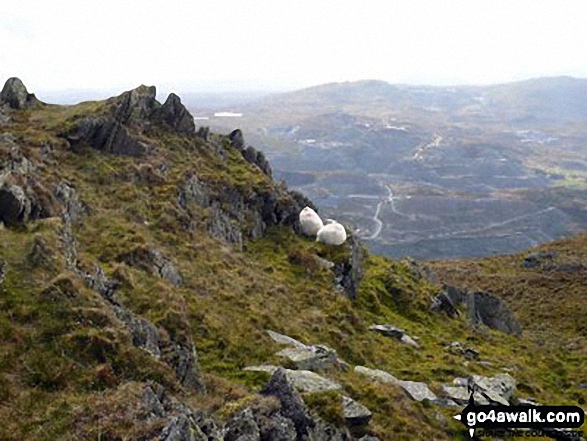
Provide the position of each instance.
(312, 358)
(237, 140)
(175, 115)
(15, 95)
(15, 206)
(292, 405)
(416, 390)
(388, 331)
(285, 340)
(485, 308)
(242, 427)
(181, 428)
(354, 413)
(348, 275)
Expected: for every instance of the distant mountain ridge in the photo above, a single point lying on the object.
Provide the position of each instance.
(472, 147)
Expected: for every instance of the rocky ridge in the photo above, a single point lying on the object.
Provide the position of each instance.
(142, 261)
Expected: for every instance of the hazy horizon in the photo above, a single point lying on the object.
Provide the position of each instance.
(227, 46)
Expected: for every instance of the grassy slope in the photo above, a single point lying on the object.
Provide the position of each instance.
(66, 362)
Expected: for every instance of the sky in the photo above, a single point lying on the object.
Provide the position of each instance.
(229, 45)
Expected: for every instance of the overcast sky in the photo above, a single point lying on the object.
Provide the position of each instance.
(222, 45)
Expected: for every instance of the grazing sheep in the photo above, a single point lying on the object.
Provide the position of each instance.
(310, 222)
(331, 234)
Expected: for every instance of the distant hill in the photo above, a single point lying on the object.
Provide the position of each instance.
(475, 149)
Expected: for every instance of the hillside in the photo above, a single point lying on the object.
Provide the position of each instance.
(143, 262)
(399, 162)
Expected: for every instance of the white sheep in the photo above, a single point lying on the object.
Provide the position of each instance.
(332, 233)
(310, 222)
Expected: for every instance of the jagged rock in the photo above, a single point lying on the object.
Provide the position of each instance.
(485, 308)
(204, 133)
(482, 308)
(15, 206)
(308, 357)
(416, 390)
(307, 381)
(285, 340)
(223, 227)
(17, 163)
(354, 413)
(312, 358)
(72, 205)
(15, 95)
(460, 394)
(348, 275)
(184, 361)
(107, 134)
(443, 302)
(394, 332)
(237, 140)
(501, 385)
(153, 262)
(292, 405)
(152, 403)
(498, 389)
(144, 334)
(135, 107)
(376, 374)
(304, 381)
(255, 157)
(242, 427)
(181, 428)
(194, 191)
(175, 115)
(276, 427)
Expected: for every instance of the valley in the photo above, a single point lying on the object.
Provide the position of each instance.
(473, 171)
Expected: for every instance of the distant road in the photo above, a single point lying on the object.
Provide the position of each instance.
(378, 223)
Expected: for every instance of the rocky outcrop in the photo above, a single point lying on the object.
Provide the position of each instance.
(235, 215)
(106, 134)
(416, 390)
(498, 389)
(487, 309)
(15, 95)
(204, 133)
(237, 140)
(15, 206)
(67, 195)
(251, 155)
(257, 158)
(152, 261)
(354, 413)
(394, 332)
(482, 308)
(179, 352)
(292, 407)
(174, 114)
(304, 381)
(117, 129)
(348, 274)
(317, 358)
